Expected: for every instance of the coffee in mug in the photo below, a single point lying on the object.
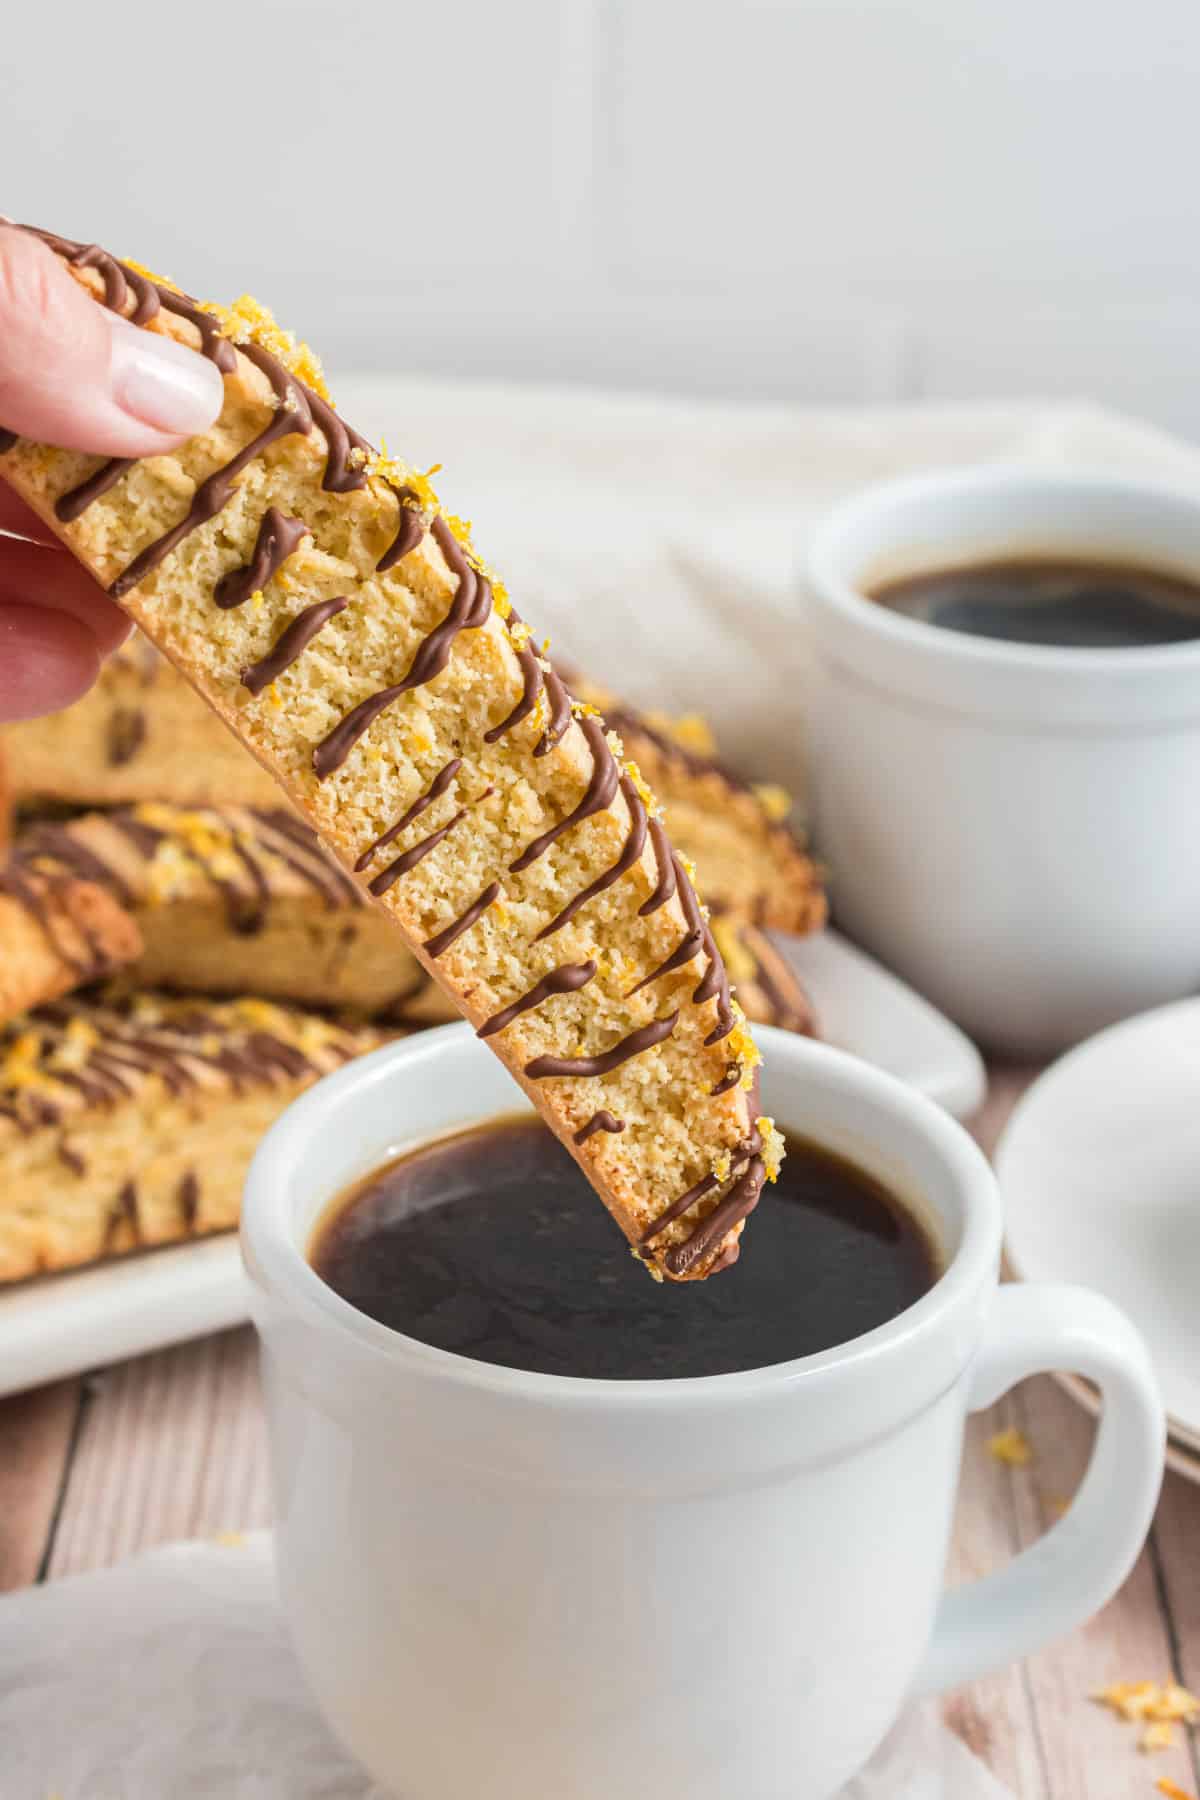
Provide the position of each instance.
(488, 1242)
(1060, 602)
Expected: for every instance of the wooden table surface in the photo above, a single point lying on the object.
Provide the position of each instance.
(172, 1445)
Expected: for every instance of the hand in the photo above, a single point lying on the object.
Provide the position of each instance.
(74, 375)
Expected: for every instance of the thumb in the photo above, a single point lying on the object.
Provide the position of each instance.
(75, 375)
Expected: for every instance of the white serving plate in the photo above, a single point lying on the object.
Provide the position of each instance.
(1100, 1170)
(62, 1324)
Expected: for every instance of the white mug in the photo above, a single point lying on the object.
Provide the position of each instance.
(504, 1584)
(1012, 827)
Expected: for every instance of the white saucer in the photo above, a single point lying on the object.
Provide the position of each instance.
(61, 1324)
(1100, 1170)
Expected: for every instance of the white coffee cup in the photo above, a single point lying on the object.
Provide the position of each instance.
(1013, 827)
(504, 1584)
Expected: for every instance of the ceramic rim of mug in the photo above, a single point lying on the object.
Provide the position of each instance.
(956, 518)
(275, 1246)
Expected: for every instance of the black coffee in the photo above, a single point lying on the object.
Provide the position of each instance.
(493, 1244)
(1080, 605)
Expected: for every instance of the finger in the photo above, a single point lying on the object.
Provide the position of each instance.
(16, 516)
(32, 575)
(47, 660)
(75, 375)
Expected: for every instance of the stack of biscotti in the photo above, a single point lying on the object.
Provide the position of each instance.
(142, 734)
(131, 1122)
(342, 625)
(236, 900)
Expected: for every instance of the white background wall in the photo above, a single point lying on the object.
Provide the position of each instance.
(828, 200)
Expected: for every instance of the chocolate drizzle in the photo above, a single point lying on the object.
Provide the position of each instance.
(560, 713)
(45, 854)
(213, 343)
(172, 1045)
(124, 1213)
(665, 859)
(714, 983)
(568, 978)
(292, 642)
(126, 733)
(65, 853)
(741, 1200)
(278, 536)
(295, 844)
(688, 949)
(678, 1207)
(292, 415)
(41, 895)
(119, 280)
(343, 474)
(434, 791)
(630, 854)
(468, 611)
(409, 860)
(599, 1121)
(188, 1197)
(531, 672)
(442, 940)
(410, 529)
(644, 1038)
(77, 499)
(71, 1159)
(598, 795)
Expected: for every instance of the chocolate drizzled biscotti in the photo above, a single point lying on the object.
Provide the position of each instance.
(234, 900)
(140, 734)
(344, 628)
(748, 859)
(127, 1125)
(57, 933)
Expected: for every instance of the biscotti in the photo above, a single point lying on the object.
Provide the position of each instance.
(768, 986)
(130, 1125)
(232, 901)
(57, 933)
(748, 859)
(343, 626)
(140, 734)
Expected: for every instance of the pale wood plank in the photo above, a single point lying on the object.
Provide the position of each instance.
(1093, 1755)
(1177, 1543)
(995, 1717)
(173, 1446)
(36, 1430)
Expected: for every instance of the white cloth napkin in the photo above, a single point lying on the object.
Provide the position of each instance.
(660, 543)
(171, 1677)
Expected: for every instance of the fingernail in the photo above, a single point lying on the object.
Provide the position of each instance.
(162, 383)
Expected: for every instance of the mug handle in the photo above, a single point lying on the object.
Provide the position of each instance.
(1082, 1560)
